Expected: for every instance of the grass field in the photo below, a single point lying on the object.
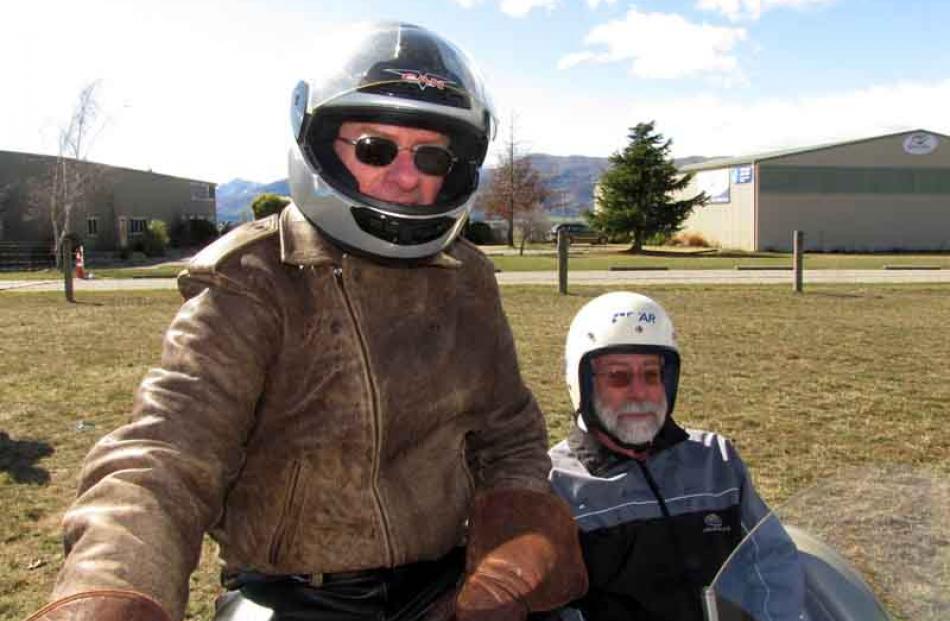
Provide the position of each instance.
(805, 385)
(590, 257)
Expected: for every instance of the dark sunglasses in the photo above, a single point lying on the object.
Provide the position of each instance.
(624, 376)
(430, 159)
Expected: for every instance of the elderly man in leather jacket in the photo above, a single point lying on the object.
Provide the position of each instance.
(338, 401)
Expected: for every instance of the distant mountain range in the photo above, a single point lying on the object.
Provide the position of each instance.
(571, 179)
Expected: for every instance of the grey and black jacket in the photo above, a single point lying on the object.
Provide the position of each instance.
(655, 531)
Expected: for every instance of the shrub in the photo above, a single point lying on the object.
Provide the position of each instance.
(478, 233)
(691, 240)
(155, 239)
(267, 204)
(657, 239)
(192, 232)
(202, 232)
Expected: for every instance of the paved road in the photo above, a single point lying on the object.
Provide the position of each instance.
(603, 277)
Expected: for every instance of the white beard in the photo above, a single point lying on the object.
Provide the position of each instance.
(641, 430)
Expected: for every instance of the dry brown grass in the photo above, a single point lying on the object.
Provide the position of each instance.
(804, 385)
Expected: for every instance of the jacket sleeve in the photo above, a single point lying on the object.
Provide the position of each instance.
(149, 490)
(510, 445)
(765, 576)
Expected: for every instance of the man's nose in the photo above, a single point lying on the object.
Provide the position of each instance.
(403, 171)
(637, 388)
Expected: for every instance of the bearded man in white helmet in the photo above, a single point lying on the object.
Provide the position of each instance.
(338, 402)
(659, 507)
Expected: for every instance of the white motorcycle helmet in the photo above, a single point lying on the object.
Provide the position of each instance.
(400, 74)
(617, 322)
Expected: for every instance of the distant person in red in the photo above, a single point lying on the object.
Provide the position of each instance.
(338, 402)
(80, 260)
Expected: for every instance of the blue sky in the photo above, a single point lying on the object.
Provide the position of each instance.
(201, 88)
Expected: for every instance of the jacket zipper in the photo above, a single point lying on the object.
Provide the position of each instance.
(377, 423)
(677, 544)
(281, 532)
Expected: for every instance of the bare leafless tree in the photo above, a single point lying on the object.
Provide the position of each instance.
(516, 189)
(70, 183)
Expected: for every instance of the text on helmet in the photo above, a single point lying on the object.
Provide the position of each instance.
(642, 317)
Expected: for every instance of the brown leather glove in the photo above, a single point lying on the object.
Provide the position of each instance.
(103, 606)
(523, 556)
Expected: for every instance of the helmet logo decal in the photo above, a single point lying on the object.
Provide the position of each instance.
(423, 80)
(641, 316)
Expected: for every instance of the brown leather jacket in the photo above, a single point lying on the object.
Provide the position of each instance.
(314, 411)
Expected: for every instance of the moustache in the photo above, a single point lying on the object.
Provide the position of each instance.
(640, 407)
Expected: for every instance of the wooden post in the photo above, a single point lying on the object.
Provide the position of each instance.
(562, 245)
(798, 249)
(66, 248)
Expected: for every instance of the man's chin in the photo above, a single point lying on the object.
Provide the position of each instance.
(637, 432)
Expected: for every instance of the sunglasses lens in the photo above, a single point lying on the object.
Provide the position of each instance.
(375, 151)
(619, 378)
(433, 160)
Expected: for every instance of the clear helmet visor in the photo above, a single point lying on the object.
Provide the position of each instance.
(408, 63)
(400, 75)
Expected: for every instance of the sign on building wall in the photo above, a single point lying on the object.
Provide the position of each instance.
(715, 183)
(742, 174)
(920, 143)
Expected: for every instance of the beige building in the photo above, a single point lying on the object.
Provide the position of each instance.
(118, 208)
(877, 194)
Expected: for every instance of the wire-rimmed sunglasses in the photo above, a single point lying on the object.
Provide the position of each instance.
(621, 377)
(430, 159)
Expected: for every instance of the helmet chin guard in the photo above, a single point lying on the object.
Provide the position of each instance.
(617, 322)
(399, 74)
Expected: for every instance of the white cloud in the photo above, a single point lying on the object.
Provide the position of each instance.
(663, 46)
(209, 107)
(575, 58)
(520, 8)
(596, 3)
(736, 10)
(710, 125)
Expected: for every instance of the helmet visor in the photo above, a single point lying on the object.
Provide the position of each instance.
(407, 62)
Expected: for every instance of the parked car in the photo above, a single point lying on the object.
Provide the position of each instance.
(578, 232)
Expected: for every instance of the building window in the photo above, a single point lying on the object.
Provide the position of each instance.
(92, 226)
(137, 226)
(201, 192)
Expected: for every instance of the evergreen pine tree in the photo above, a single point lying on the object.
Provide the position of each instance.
(635, 193)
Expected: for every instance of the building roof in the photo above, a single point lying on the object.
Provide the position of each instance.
(726, 162)
(42, 156)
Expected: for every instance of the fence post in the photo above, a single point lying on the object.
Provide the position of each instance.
(66, 248)
(562, 244)
(798, 249)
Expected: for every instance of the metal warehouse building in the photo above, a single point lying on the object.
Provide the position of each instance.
(116, 214)
(877, 194)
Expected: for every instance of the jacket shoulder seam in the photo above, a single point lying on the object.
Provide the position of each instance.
(216, 254)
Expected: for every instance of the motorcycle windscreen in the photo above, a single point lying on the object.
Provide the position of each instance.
(871, 544)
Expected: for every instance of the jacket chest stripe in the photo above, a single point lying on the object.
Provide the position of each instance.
(374, 402)
(693, 502)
